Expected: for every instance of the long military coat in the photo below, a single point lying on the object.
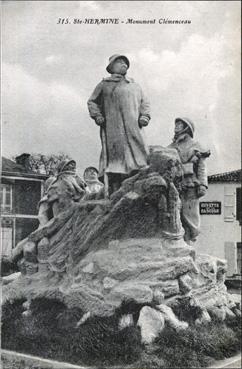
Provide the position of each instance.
(121, 102)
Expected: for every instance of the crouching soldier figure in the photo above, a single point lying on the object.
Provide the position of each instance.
(66, 189)
(194, 184)
(61, 190)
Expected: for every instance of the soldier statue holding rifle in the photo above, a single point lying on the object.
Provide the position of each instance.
(195, 182)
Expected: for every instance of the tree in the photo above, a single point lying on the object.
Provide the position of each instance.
(45, 164)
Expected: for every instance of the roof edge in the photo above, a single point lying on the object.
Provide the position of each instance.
(232, 176)
(24, 175)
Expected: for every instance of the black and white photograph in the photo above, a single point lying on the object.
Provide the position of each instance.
(121, 203)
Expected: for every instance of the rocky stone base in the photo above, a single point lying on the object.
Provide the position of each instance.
(104, 255)
(162, 278)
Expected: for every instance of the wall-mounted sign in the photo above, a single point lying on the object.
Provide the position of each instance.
(210, 208)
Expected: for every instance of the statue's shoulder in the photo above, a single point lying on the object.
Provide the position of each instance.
(131, 80)
(116, 79)
(198, 146)
(108, 79)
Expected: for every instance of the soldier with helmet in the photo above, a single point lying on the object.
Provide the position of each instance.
(194, 183)
(90, 176)
(119, 107)
(65, 182)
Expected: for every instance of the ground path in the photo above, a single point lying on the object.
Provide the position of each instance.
(16, 360)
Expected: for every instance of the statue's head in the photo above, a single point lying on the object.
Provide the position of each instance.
(118, 64)
(71, 166)
(90, 174)
(184, 125)
(66, 166)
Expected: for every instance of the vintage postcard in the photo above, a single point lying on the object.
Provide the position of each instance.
(121, 184)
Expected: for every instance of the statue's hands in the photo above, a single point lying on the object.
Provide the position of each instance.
(201, 191)
(99, 121)
(143, 121)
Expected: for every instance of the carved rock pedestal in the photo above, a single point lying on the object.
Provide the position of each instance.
(100, 254)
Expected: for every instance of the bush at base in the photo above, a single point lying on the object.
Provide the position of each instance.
(51, 331)
(196, 346)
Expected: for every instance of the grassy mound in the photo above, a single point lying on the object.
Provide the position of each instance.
(194, 347)
(51, 331)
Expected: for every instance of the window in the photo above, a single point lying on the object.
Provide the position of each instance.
(239, 205)
(6, 198)
(24, 226)
(239, 256)
(229, 204)
(7, 236)
(27, 197)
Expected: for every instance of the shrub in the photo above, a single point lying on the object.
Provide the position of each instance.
(187, 310)
(11, 323)
(51, 331)
(99, 340)
(195, 346)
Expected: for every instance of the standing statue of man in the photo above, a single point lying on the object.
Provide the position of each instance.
(194, 184)
(120, 108)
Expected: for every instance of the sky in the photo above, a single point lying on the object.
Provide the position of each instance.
(49, 71)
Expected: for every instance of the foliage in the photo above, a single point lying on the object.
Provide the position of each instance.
(187, 310)
(195, 346)
(52, 331)
(45, 164)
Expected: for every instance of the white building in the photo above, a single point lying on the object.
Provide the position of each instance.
(221, 219)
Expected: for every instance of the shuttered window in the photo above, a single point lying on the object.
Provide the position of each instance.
(239, 205)
(229, 204)
(6, 198)
(6, 236)
(239, 258)
(231, 257)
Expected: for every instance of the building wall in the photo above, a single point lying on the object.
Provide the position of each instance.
(221, 233)
(19, 210)
(26, 197)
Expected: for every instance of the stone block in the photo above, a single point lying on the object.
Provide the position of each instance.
(168, 288)
(170, 318)
(109, 283)
(218, 312)
(151, 323)
(185, 284)
(130, 291)
(125, 321)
